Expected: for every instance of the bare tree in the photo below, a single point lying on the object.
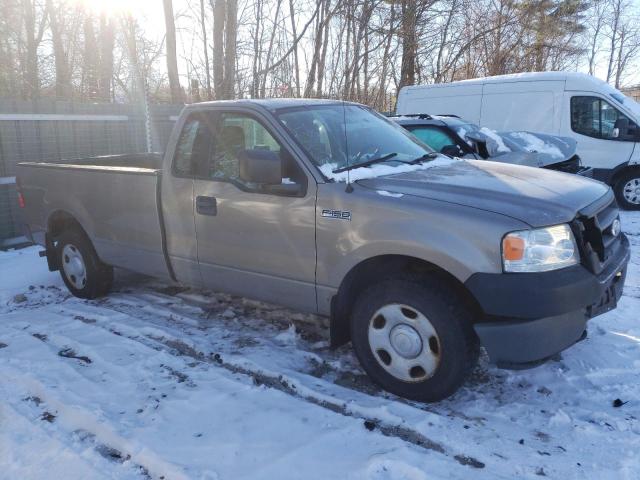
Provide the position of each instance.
(172, 58)
(63, 69)
(34, 29)
(107, 43)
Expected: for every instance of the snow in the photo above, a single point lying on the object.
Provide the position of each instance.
(462, 133)
(380, 169)
(162, 382)
(384, 193)
(496, 138)
(536, 144)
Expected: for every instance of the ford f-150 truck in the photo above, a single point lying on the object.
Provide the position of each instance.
(327, 207)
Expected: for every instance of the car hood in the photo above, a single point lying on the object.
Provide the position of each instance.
(537, 197)
(525, 148)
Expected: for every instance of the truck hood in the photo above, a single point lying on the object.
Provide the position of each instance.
(535, 196)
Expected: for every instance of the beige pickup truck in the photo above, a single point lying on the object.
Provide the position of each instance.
(329, 208)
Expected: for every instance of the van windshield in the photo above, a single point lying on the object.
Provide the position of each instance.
(628, 102)
(336, 136)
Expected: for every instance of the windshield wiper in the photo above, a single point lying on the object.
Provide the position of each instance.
(381, 159)
(426, 156)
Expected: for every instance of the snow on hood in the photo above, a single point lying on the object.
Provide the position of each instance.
(500, 146)
(550, 146)
(380, 169)
(525, 148)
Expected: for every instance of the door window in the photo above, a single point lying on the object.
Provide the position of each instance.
(434, 137)
(594, 117)
(211, 145)
(235, 134)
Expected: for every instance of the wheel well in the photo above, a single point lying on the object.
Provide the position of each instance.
(623, 171)
(58, 222)
(385, 267)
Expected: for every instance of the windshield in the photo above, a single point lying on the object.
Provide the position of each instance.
(348, 135)
(629, 103)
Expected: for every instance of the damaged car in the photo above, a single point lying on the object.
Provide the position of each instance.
(456, 137)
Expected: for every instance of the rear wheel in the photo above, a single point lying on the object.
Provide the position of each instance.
(416, 340)
(82, 271)
(627, 190)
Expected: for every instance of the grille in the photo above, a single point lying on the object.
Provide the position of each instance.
(595, 240)
(569, 166)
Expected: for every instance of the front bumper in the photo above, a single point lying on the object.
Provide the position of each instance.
(532, 316)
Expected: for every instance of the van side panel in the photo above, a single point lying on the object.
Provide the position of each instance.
(462, 100)
(522, 106)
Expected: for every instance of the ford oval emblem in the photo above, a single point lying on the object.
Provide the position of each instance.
(615, 228)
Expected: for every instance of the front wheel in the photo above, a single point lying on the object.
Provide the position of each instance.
(416, 340)
(627, 190)
(82, 271)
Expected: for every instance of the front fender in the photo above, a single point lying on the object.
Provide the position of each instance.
(459, 239)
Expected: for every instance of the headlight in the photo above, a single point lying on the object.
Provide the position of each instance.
(539, 250)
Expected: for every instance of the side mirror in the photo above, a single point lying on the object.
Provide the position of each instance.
(620, 128)
(262, 167)
(451, 150)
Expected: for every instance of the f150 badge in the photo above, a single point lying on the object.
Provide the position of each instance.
(337, 214)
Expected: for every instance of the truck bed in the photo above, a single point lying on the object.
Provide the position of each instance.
(115, 199)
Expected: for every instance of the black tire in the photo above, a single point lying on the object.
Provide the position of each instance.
(632, 203)
(457, 344)
(97, 277)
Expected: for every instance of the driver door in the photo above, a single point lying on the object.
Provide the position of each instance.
(252, 243)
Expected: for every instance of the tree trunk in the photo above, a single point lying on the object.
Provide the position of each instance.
(218, 48)
(31, 87)
(107, 41)
(205, 46)
(325, 42)
(63, 73)
(231, 33)
(614, 35)
(296, 66)
(408, 35)
(267, 62)
(256, 50)
(90, 73)
(172, 58)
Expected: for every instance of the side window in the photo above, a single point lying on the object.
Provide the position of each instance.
(237, 132)
(434, 137)
(236, 135)
(194, 147)
(594, 117)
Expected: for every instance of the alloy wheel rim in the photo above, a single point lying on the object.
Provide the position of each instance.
(631, 191)
(404, 343)
(73, 266)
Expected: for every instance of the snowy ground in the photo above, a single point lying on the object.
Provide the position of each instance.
(158, 382)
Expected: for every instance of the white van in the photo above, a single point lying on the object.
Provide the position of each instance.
(600, 118)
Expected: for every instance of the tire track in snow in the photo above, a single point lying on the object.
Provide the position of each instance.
(286, 384)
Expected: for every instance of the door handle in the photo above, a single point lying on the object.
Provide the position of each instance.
(206, 205)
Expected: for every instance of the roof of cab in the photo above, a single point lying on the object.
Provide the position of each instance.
(272, 103)
(573, 80)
